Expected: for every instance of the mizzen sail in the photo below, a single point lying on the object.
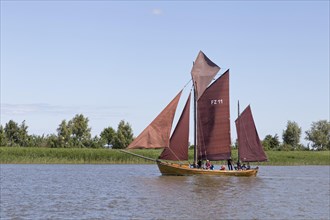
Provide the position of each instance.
(213, 121)
(203, 72)
(178, 148)
(249, 145)
(157, 134)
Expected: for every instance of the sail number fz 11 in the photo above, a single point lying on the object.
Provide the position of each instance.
(216, 101)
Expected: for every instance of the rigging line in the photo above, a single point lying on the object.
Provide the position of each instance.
(137, 155)
(174, 154)
(187, 83)
(192, 87)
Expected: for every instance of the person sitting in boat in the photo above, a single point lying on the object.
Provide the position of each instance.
(239, 167)
(248, 166)
(207, 164)
(223, 167)
(199, 164)
(244, 166)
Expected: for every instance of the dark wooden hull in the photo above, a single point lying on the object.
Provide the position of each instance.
(172, 169)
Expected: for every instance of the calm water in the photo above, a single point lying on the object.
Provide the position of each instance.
(139, 192)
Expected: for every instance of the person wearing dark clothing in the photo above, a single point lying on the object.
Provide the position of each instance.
(230, 165)
(239, 167)
(199, 164)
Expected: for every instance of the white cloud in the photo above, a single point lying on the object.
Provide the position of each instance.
(157, 11)
(42, 108)
(23, 109)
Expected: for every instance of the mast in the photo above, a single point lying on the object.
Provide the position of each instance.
(238, 113)
(195, 126)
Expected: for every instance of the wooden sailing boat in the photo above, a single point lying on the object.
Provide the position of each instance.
(211, 128)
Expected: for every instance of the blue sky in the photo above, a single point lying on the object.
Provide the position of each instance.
(114, 60)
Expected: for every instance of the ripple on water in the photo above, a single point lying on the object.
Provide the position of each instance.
(139, 192)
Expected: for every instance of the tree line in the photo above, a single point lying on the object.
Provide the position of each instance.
(318, 136)
(76, 133)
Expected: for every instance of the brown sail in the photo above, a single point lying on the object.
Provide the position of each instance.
(157, 134)
(249, 145)
(178, 148)
(213, 121)
(203, 72)
(211, 129)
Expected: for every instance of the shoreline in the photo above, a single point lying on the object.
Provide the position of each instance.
(27, 155)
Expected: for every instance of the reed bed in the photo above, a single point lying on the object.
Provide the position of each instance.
(20, 155)
(292, 158)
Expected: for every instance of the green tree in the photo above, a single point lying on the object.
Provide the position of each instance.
(81, 133)
(109, 136)
(319, 135)
(235, 145)
(95, 142)
(37, 141)
(63, 135)
(52, 141)
(270, 142)
(291, 136)
(12, 133)
(124, 135)
(23, 139)
(3, 138)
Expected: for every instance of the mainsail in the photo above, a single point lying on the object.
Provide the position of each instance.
(178, 148)
(203, 72)
(249, 145)
(213, 121)
(157, 134)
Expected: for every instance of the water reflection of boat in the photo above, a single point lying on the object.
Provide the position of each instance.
(212, 139)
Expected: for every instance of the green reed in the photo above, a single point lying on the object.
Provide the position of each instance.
(26, 155)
